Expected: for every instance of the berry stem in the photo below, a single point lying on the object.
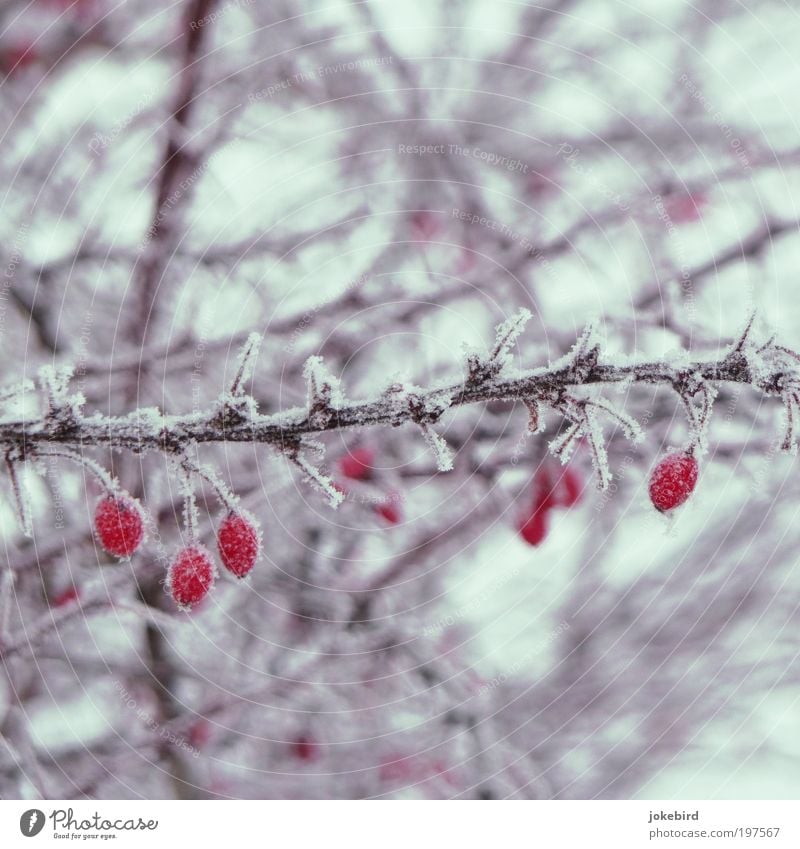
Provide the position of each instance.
(190, 515)
(109, 483)
(23, 515)
(225, 496)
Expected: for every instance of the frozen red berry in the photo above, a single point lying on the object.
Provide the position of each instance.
(357, 465)
(239, 544)
(119, 525)
(304, 748)
(191, 575)
(534, 529)
(673, 480)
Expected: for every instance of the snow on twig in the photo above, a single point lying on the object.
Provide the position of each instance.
(770, 369)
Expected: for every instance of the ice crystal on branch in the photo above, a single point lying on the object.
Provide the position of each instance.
(535, 418)
(324, 392)
(316, 477)
(22, 507)
(247, 363)
(439, 447)
(61, 407)
(481, 368)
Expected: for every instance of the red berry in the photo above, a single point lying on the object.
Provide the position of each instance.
(239, 544)
(119, 525)
(357, 465)
(191, 575)
(534, 529)
(545, 496)
(199, 733)
(684, 209)
(539, 184)
(389, 510)
(65, 597)
(425, 225)
(673, 481)
(397, 767)
(571, 487)
(18, 57)
(305, 749)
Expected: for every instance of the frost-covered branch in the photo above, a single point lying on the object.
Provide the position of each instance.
(564, 387)
(771, 369)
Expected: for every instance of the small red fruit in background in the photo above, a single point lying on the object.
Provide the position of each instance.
(673, 480)
(239, 544)
(304, 748)
(389, 510)
(200, 733)
(551, 489)
(425, 225)
(397, 767)
(119, 525)
(571, 488)
(17, 57)
(545, 490)
(534, 529)
(190, 576)
(65, 597)
(683, 209)
(539, 184)
(357, 465)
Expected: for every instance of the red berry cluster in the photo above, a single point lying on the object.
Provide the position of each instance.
(192, 573)
(552, 489)
(119, 526)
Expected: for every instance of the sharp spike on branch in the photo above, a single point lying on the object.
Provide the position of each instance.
(535, 418)
(594, 436)
(562, 446)
(585, 354)
(480, 368)
(507, 334)
(20, 499)
(247, 363)
(439, 447)
(6, 597)
(743, 338)
(324, 391)
(630, 427)
(791, 405)
(699, 417)
(319, 480)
